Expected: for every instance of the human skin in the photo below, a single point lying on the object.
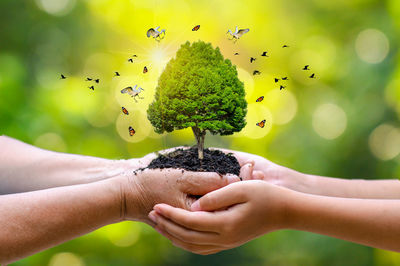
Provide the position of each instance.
(81, 194)
(233, 215)
(361, 211)
(319, 185)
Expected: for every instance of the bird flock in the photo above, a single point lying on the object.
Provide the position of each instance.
(159, 34)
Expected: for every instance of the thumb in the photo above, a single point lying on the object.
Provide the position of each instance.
(200, 183)
(220, 199)
(246, 171)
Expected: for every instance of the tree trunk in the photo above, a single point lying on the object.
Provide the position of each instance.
(200, 135)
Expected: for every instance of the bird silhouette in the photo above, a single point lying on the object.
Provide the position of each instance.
(130, 60)
(285, 46)
(236, 54)
(134, 55)
(282, 87)
(91, 87)
(276, 80)
(117, 74)
(312, 76)
(256, 72)
(89, 79)
(264, 54)
(306, 67)
(252, 59)
(63, 77)
(97, 80)
(285, 78)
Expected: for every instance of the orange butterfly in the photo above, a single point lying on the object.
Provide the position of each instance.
(196, 28)
(261, 124)
(259, 99)
(131, 131)
(125, 111)
(144, 70)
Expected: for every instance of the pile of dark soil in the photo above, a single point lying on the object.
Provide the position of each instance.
(214, 161)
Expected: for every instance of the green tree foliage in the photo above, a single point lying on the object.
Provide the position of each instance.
(199, 89)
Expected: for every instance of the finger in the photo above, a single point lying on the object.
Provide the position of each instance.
(259, 175)
(199, 221)
(198, 249)
(221, 198)
(183, 233)
(246, 171)
(200, 183)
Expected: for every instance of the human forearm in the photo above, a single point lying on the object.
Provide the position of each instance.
(346, 188)
(33, 221)
(369, 222)
(26, 168)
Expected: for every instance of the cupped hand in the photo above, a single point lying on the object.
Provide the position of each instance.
(225, 218)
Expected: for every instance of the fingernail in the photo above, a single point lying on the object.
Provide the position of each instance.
(195, 206)
(153, 217)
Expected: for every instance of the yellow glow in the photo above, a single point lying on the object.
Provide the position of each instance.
(66, 258)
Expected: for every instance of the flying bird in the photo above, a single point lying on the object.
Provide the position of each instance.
(63, 77)
(312, 76)
(131, 131)
(156, 34)
(285, 78)
(264, 54)
(252, 59)
(256, 72)
(237, 34)
(259, 99)
(282, 87)
(125, 111)
(89, 79)
(276, 80)
(236, 54)
(117, 74)
(134, 55)
(130, 60)
(285, 46)
(97, 80)
(196, 28)
(133, 92)
(145, 70)
(261, 124)
(306, 67)
(91, 87)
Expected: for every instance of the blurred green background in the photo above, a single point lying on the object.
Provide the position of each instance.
(345, 123)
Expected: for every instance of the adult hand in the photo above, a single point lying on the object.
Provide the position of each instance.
(141, 190)
(225, 218)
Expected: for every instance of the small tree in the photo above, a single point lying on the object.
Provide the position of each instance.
(199, 89)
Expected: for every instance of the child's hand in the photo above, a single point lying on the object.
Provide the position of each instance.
(225, 218)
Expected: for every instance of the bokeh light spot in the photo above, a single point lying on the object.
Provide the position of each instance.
(329, 121)
(255, 113)
(51, 141)
(372, 46)
(384, 142)
(283, 106)
(123, 234)
(56, 7)
(66, 259)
